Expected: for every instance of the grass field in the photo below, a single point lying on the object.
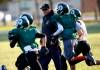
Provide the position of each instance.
(8, 56)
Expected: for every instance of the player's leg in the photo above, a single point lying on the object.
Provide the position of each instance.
(69, 51)
(97, 62)
(32, 59)
(85, 47)
(72, 58)
(90, 60)
(44, 60)
(3, 67)
(63, 63)
(62, 60)
(56, 56)
(77, 49)
(77, 58)
(21, 62)
(86, 51)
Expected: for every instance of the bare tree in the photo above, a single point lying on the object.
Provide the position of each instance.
(51, 3)
(98, 5)
(4, 1)
(37, 12)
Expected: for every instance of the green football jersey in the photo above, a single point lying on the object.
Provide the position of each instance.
(25, 37)
(56, 18)
(69, 24)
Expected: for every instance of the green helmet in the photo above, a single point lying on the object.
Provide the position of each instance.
(76, 12)
(62, 8)
(29, 17)
(22, 22)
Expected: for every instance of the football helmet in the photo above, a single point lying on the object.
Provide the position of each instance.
(29, 17)
(62, 8)
(22, 22)
(76, 12)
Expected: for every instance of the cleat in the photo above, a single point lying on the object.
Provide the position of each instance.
(90, 60)
(4, 67)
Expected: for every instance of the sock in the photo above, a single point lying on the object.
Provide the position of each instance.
(97, 62)
(77, 59)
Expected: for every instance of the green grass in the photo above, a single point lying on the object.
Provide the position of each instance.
(93, 28)
(8, 55)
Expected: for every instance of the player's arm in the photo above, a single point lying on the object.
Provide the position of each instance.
(12, 38)
(43, 39)
(79, 29)
(58, 25)
(59, 29)
(80, 33)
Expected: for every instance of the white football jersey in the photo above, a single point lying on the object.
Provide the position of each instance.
(81, 25)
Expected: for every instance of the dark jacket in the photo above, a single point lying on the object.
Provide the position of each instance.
(49, 26)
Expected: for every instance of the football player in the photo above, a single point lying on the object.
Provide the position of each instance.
(24, 35)
(69, 34)
(83, 46)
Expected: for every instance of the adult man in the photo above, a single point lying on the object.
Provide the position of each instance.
(52, 29)
(24, 35)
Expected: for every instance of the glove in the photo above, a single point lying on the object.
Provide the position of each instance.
(11, 35)
(43, 51)
(3, 67)
(54, 39)
(12, 38)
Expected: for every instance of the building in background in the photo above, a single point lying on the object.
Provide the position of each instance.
(16, 7)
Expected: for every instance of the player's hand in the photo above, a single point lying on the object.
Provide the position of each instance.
(53, 39)
(11, 35)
